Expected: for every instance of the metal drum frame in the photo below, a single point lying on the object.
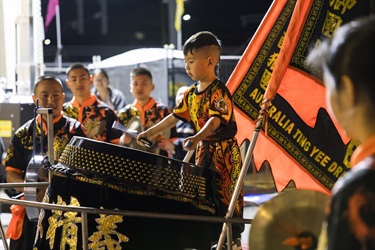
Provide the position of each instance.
(84, 211)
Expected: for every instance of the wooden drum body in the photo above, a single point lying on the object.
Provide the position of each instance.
(102, 175)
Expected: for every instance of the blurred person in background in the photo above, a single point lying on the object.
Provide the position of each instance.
(96, 116)
(146, 109)
(106, 93)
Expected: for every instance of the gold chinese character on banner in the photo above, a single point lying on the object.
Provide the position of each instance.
(280, 43)
(272, 60)
(266, 76)
(331, 23)
(342, 5)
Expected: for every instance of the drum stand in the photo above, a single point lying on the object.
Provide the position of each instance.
(48, 113)
(36, 163)
(227, 226)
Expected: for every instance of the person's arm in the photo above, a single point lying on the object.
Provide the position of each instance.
(13, 177)
(167, 123)
(208, 129)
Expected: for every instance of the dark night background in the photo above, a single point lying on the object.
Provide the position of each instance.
(144, 23)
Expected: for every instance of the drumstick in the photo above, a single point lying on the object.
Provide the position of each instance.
(189, 153)
(117, 125)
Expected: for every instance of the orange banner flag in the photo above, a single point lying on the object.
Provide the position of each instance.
(303, 143)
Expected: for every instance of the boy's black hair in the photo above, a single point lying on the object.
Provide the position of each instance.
(200, 40)
(47, 77)
(141, 71)
(77, 66)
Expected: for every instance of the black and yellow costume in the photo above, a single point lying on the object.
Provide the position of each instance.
(219, 153)
(20, 153)
(152, 113)
(97, 118)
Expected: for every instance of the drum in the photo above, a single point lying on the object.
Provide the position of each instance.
(102, 175)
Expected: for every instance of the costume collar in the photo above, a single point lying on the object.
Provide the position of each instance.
(148, 105)
(364, 150)
(39, 120)
(142, 110)
(86, 103)
(360, 160)
(56, 119)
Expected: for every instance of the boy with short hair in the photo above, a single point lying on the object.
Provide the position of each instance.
(208, 103)
(96, 116)
(146, 108)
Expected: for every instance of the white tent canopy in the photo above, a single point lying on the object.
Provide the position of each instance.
(138, 56)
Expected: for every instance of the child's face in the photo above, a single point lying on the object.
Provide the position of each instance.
(197, 65)
(141, 86)
(79, 83)
(50, 95)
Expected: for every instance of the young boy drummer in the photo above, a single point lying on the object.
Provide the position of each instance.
(208, 104)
